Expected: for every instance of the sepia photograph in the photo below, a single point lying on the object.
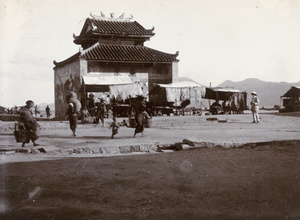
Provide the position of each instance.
(162, 109)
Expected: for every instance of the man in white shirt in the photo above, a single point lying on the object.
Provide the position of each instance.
(254, 107)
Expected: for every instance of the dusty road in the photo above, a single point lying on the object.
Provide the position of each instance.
(254, 181)
(250, 182)
(165, 130)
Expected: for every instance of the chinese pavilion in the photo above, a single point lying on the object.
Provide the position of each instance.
(112, 50)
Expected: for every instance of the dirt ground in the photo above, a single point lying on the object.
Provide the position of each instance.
(250, 182)
(254, 181)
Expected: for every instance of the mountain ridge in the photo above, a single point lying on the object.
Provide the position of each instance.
(268, 92)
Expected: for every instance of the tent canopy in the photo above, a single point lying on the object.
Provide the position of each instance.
(221, 93)
(107, 80)
(178, 92)
(183, 84)
(119, 86)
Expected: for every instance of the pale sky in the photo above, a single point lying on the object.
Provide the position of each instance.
(217, 40)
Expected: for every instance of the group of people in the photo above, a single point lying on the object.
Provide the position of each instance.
(99, 112)
(74, 107)
(230, 106)
(12, 111)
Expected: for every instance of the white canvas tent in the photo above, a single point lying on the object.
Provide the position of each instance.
(178, 92)
(118, 86)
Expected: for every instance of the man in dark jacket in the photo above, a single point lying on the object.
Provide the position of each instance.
(29, 122)
(74, 107)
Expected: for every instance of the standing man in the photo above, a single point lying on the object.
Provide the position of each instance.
(48, 111)
(74, 107)
(36, 110)
(254, 107)
(101, 110)
(91, 104)
(73, 117)
(30, 123)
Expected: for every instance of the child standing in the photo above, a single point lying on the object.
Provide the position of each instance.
(114, 127)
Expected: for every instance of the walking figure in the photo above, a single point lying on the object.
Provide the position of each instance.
(101, 110)
(73, 118)
(73, 110)
(29, 122)
(139, 118)
(140, 115)
(114, 128)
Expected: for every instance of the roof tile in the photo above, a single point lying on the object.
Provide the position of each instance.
(126, 53)
(119, 28)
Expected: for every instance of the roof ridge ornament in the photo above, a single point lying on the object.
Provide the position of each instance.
(112, 17)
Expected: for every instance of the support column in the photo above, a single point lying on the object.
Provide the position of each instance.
(175, 71)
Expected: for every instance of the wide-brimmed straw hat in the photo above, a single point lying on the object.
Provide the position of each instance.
(253, 93)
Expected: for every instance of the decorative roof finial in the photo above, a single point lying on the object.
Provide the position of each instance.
(112, 17)
(94, 27)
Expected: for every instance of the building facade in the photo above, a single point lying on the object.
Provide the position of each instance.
(112, 47)
(291, 99)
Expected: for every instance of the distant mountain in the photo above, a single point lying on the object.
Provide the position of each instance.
(268, 92)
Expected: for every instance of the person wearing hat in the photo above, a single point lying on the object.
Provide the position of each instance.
(73, 110)
(29, 122)
(254, 107)
(72, 116)
(101, 110)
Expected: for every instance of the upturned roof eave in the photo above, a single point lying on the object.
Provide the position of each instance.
(89, 22)
(68, 60)
(78, 56)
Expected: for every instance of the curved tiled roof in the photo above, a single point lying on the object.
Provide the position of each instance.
(119, 28)
(111, 52)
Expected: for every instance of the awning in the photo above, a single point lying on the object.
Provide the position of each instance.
(120, 87)
(183, 84)
(180, 91)
(219, 89)
(107, 80)
(222, 93)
